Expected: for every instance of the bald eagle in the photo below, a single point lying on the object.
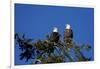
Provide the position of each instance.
(68, 34)
(54, 37)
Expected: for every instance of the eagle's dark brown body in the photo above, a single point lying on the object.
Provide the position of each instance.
(68, 35)
(54, 37)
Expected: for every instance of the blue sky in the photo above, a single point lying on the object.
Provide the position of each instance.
(35, 21)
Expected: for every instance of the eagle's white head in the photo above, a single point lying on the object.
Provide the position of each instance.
(55, 29)
(68, 26)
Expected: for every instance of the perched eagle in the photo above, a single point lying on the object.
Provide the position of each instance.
(68, 34)
(54, 37)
